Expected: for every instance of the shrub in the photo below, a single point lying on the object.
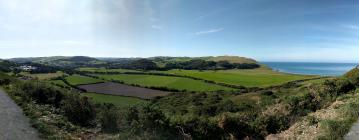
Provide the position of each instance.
(267, 92)
(110, 120)
(236, 126)
(145, 121)
(344, 86)
(79, 110)
(312, 120)
(355, 80)
(334, 129)
(5, 79)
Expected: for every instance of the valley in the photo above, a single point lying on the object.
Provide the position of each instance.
(201, 97)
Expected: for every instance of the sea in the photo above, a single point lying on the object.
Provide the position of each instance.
(311, 68)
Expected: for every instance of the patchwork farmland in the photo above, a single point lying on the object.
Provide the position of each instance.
(123, 90)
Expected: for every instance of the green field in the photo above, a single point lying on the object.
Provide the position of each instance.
(261, 77)
(248, 78)
(105, 70)
(43, 76)
(81, 80)
(58, 82)
(179, 83)
(116, 100)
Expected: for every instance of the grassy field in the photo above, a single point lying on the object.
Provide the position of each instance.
(58, 82)
(116, 100)
(81, 80)
(104, 70)
(43, 76)
(261, 77)
(248, 78)
(165, 81)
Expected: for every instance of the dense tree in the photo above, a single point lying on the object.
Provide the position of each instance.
(199, 64)
(7, 66)
(143, 64)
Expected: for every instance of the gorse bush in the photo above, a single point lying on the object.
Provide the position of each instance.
(110, 119)
(79, 110)
(5, 79)
(353, 75)
(145, 121)
(44, 94)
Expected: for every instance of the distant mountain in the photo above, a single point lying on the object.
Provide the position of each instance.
(37, 59)
(61, 61)
(80, 59)
(161, 61)
(232, 59)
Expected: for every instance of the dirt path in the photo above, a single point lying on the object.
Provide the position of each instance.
(353, 133)
(13, 124)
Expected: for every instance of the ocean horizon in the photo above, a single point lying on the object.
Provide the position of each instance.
(312, 68)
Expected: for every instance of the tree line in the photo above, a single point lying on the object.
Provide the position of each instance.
(195, 64)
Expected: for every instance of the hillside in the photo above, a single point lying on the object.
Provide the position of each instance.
(6, 66)
(353, 72)
(61, 61)
(160, 61)
(204, 103)
(231, 59)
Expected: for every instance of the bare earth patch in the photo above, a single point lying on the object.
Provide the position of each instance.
(304, 130)
(122, 89)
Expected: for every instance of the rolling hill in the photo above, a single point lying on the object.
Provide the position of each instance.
(161, 61)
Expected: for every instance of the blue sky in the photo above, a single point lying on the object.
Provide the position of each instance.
(267, 30)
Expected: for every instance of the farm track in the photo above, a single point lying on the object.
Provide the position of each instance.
(14, 125)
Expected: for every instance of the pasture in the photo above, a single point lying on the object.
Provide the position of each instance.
(171, 82)
(58, 82)
(113, 99)
(261, 77)
(81, 80)
(247, 78)
(43, 76)
(105, 70)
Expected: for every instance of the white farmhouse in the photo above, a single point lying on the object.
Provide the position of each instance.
(27, 68)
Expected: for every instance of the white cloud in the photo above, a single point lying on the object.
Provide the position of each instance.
(326, 38)
(152, 19)
(157, 27)
(354, 27)
(209, 31)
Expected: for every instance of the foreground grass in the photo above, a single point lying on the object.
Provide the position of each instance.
(348, 113)
(116, 100)
(179, 83)
(81, 80)
(331, 123)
